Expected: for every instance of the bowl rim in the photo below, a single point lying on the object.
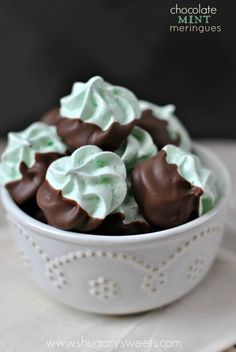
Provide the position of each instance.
(78, 237)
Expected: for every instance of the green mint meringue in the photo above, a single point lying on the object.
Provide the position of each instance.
(138, 146)
(191, 168)
(175, 127)
(129, 207)
(91, 177)
(100, 103)
(22, 147)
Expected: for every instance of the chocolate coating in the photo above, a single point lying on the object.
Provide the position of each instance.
(113, 225)
(31, 208)
(78, 133)
(157, 128)
(32, 177)
(165, 198)
(52, 117)
(63, 213)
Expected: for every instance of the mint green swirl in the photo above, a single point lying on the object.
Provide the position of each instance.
(22, 147)
(138, 146)
(175, 127)
(100, 103)
(91, 177)
(192, 169)
(129, 208)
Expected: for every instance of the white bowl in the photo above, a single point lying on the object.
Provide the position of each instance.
(122, 274)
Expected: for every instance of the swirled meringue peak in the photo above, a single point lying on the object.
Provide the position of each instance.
(22, 147)
(138, 146)
(190, 167)
(89, 181)
(100, 103)
(164, 127)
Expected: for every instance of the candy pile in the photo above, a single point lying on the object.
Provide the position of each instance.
(106, 163)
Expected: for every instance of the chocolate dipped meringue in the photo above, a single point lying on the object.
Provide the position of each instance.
(173, 187)
(26, 158)
(82, 189)
(137, 147)
(163, 126)
(97, 113)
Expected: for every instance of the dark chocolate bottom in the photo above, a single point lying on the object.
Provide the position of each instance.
(63, 213)
(32, 177)
(77, 133)
(113, 225)
(158, 129)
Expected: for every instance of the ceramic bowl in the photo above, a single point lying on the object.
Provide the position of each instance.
(122, 274)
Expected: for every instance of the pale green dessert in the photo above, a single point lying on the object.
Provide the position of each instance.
(129, 208)
(191, 168)
(23, 147)
(96, 180)
(175, 127)
(138, 146)
(100, 103)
